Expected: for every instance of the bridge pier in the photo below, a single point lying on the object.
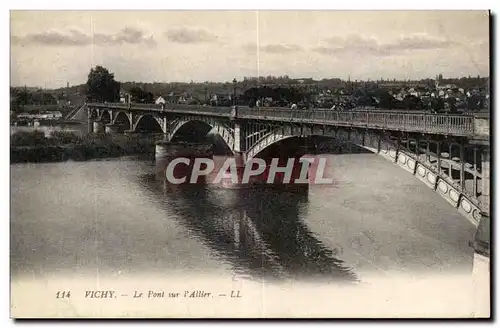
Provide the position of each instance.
(98, 126)
(166, 152)
(113, 128)
(168, 149)
(90, 125)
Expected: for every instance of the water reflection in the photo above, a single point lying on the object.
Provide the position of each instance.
(78, 129)
(259, 231)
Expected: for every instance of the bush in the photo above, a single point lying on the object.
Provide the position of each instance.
(62, 145)
(34, 138)
(65, 137)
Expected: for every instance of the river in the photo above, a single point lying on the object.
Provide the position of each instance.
(114, 218)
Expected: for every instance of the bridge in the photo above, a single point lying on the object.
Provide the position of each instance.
(449, 153)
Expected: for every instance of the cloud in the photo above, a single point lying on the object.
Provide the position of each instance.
(419, 42)
(356, 44)
(191, 36)
(127, 35)
(273, 48)
(54, 38)
(73, 37)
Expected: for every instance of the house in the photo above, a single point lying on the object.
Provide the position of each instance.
(220, 99)
(182, 100)
(63, 102)
(51, 115)
(25, 115)
(414, 92)
(327, 101)
(174, 98)
(47, 115)
(160, 100)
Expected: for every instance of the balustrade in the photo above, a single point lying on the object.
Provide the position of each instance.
(397, 120)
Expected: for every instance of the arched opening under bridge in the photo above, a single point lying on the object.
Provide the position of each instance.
(148, 124)
(198, 131)
(123, 120)
(105, 117)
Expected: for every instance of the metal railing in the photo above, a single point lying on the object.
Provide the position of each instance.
(411, 122)
(461, 125)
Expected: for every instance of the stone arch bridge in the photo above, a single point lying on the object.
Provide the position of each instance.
(449, 153)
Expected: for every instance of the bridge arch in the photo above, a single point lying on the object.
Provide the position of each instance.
(209, 124)
(105, 116)
(148, 123)
(93, 113)
(419, 165)
(123, 118)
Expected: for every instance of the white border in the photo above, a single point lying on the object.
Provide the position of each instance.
(256, 4)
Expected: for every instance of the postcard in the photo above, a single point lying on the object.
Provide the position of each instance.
(250, 164)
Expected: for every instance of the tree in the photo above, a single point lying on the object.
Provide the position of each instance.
(140, 96)
(137, 94)
(386, 100)
(19, 98)
(412, 102)
(149, 98)
(451, 104)
(101, 85)
(15, 101)
(474, 102)
(437, 104)
(42, 98)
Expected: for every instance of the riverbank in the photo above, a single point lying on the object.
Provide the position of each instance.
(62, 146)
(56, 146)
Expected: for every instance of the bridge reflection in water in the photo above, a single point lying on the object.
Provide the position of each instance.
(260, 232)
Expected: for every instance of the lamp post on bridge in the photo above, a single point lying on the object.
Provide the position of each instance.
(234, 91)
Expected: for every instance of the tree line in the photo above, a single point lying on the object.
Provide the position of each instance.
(21, 97)
(101, 86)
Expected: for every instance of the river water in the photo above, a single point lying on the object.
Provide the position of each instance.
(114, 218)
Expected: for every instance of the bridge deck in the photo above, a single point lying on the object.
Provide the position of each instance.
(445, 124)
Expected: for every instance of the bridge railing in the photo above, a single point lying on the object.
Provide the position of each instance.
(424, 122)
(180, 108)
(391, 120)
(201, 109)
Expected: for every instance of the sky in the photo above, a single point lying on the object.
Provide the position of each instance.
(51, 48)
